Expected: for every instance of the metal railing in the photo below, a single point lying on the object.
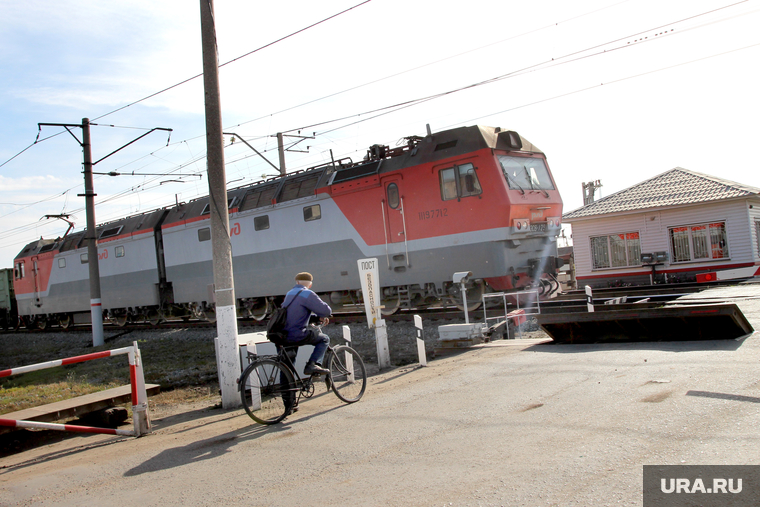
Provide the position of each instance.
(527, 303)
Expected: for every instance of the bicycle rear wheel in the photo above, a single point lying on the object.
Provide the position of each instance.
(268, 391)
(347, 374)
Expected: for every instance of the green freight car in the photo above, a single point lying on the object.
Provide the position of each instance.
(8, 311)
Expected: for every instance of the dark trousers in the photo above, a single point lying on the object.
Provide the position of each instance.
(313, 337)
(320, 342)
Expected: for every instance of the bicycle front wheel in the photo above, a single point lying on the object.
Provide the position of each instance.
(348, 376)
(268, 391)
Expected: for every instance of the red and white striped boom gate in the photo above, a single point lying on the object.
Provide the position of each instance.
(137, 381)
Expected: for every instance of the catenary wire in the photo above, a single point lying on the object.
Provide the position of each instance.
(389, 109)
(236, 59)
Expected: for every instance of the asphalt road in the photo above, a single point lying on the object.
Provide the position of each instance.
(513, 422)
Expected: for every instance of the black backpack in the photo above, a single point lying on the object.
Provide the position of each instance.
(276, 326)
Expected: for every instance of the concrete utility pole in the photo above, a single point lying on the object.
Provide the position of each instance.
(281, 151)
(588, 191)
(228, 356)
(281, 148)
(96, 308)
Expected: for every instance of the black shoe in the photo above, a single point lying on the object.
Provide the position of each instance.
(313, 368)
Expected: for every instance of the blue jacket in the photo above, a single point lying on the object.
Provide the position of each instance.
(303, 304)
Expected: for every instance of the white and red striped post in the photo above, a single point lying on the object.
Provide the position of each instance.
(140, 416)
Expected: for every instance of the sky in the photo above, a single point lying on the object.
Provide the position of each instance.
(611, 90)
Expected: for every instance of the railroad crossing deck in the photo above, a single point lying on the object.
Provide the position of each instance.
(706, 315)
(78, 406)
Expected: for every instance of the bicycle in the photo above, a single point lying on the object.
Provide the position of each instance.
(270, 392)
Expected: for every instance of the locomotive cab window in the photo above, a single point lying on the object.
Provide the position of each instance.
(83, 258)
(19, 271)
(61, 263)
(261, 223)
(524, 173)
(311, 213)
(119, 251)
(204, 234)
(459, 181)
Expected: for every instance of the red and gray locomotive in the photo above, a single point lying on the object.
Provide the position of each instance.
(477, 199)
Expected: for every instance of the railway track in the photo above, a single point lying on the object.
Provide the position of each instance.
(653, 293)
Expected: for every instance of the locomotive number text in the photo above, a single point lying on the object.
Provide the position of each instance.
(433, 213)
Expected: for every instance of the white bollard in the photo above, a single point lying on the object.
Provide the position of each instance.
(347, 334)
(381, 336)
(349, 358)
(589, 299)
(420, 341)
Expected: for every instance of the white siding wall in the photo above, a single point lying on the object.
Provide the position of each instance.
(653, 231)
(754, 217)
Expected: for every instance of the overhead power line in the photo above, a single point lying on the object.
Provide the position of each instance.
(610, 82)
(235, 59)
(562, 60)
(197, 75)
(405, 104)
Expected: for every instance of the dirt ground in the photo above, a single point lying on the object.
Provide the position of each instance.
(512, 422)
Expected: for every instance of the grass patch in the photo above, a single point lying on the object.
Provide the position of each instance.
(14, 398)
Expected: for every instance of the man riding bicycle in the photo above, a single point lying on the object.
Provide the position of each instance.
(301, 303)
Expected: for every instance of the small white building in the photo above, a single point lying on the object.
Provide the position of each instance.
(668, 229)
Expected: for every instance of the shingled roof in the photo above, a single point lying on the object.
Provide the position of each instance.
(672, 188)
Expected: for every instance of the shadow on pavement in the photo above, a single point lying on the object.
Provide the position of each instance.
(209, 448)
(674, 346)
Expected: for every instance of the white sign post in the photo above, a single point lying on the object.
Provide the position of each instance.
(370, 280)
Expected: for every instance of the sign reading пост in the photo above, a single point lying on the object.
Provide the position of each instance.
(368, 273)
(704, 485)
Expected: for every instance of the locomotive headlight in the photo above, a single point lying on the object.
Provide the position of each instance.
(553, 222)
(520, 225)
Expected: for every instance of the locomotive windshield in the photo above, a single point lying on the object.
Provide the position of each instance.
(526, 173)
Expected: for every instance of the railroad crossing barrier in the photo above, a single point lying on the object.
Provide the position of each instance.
(518, 316)
(137, 382)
